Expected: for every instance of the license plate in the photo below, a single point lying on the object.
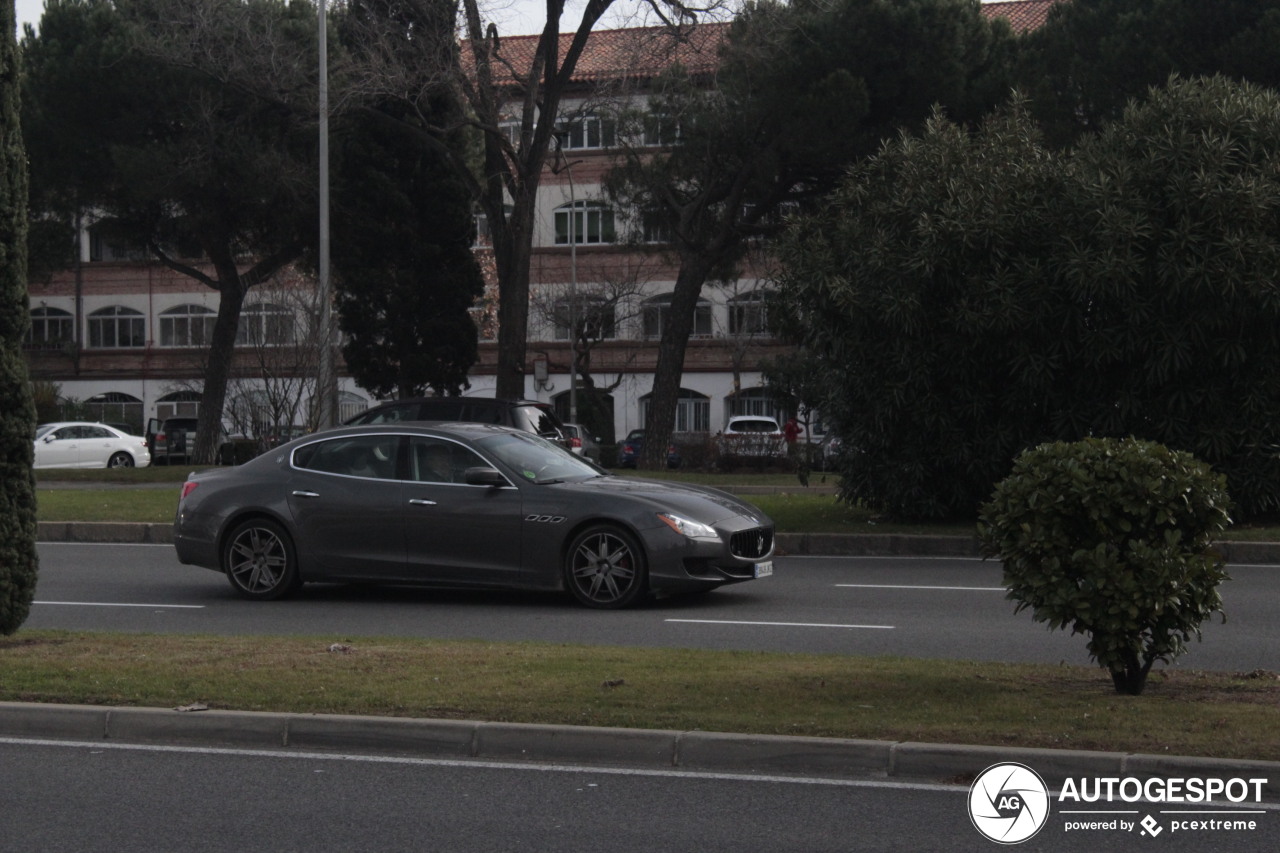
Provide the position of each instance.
(763, 570)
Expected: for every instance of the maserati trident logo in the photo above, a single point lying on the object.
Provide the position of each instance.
(1008, 803)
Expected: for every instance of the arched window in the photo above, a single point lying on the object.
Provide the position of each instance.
(588, 221)
(117, 327)
(187, 326)
(752, 401)
(50, 327)
(693, 411)
(657, 314)
(116, 408)
(266, 324)
(178, 404)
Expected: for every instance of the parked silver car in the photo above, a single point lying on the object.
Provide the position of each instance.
(462, 505)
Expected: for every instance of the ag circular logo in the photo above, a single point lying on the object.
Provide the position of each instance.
(1008, 803)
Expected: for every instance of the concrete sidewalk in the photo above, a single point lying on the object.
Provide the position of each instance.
(694, 751)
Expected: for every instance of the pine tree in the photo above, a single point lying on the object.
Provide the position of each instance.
(17, 408)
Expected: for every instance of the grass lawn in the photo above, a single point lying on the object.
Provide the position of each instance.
(1182, 712)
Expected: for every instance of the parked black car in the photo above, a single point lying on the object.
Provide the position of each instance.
(525, 415)
(171, 440)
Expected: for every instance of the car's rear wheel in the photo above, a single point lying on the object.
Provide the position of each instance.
(120, 460)
(605, 568)
(260, 561)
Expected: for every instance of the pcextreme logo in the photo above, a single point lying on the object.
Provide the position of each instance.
(1009, 803)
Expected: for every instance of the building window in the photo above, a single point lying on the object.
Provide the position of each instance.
(693, 411)
(50, 328)
(187, 326)
(265, 324)
(660, 130)
(178, 404)
(117, 327)
(657, 314)
(589, 222)
(752, 401)
(655, 227)
(595, 316)
(748, 314)
(590, 132)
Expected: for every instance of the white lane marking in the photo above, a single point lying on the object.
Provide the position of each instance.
(486, 764)
(779, 624)
(913, 586)
(116, 604)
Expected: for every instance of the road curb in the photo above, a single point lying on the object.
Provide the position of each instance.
(711, 752)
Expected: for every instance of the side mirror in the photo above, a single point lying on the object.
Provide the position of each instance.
(479, 476)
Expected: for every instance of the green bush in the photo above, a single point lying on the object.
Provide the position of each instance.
(1112, 538)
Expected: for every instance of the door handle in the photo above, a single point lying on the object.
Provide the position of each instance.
(421, 502)
(301, 494)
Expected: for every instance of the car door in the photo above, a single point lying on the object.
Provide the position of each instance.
(456, 533)
(59, 449)
(348, 507)
(96, 447)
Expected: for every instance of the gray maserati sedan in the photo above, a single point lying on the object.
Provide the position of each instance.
(462, 505)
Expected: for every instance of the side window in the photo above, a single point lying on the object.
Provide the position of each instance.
(433, 460)
(97, 432)
(370, 456)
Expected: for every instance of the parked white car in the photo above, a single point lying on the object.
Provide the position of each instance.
(80, 444)
(752, 435)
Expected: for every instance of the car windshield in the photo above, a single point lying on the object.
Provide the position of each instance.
(43, 428)
(537, 460)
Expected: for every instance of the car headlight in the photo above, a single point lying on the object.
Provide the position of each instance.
(688, 527)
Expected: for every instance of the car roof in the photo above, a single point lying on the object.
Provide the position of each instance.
(455, 429)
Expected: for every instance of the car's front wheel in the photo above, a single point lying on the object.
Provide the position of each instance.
(120, 460)
(260, 561)
(605, 568)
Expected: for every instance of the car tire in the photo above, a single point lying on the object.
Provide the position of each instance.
(120, 460)
(260, 561)
(605, 568)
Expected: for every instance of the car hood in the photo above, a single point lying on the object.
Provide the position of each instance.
(698, 502)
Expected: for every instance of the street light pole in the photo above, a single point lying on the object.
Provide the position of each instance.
(326, 381)
(561, 134)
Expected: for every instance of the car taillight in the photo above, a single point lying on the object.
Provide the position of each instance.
(575, 442)
(160, 436)
(188, 487)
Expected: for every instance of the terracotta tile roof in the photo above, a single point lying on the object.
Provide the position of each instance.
(642, 52)
(1023, 15)
(615, 54)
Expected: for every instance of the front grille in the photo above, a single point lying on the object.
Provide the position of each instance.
(751, 544)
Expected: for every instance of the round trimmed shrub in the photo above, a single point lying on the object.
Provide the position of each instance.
(1112, 538)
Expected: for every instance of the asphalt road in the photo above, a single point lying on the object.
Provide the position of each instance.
(115, 797)
(915, 607)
